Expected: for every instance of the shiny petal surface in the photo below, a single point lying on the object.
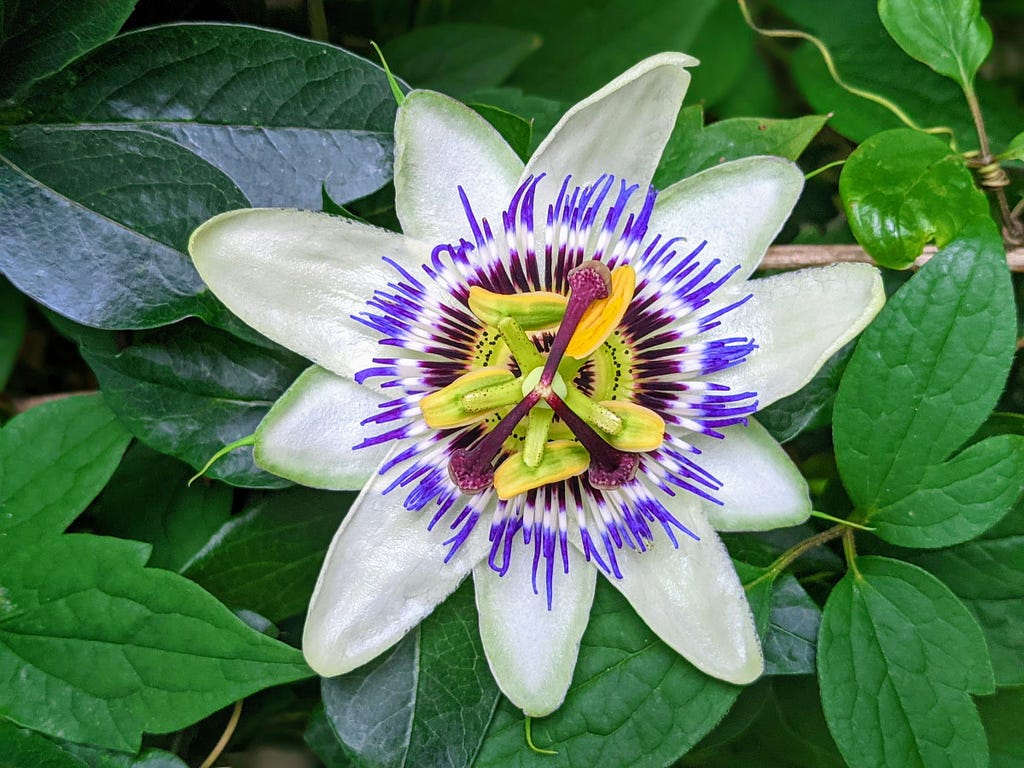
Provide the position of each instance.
(693, 599)
(798, 320)
(761, 487)
(620, 129)
(383, 574)
(439, 145)
(737, 207)
(307, 437)
(532, 650)
(298, 276)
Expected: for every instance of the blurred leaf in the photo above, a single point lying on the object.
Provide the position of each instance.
(54, 459)
(901, 190)
(100, 649)
(267, 557)
(458, 58)
(924, 376)
(278, 114)
(149, 499)
(41, 37)
(20, 748)
(694, 147)
(105, 758)
(116, 205)
(516, 130)
(189, 390)
(1002, 715)
(1015, 149)
(12, 329)
(950, 36)
(897, 658)
(321, 738)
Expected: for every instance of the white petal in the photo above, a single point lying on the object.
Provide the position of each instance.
(798, 320)
(298, 276)
(693, 600)
(621, 129)
(441, 144)
(532, 651)
(762, 488)
(383, 574)
(737, 207)
(308, 435)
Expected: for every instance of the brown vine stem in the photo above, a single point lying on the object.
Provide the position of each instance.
(995, 176)
(797, 256)
(225, 737)
(791, 554)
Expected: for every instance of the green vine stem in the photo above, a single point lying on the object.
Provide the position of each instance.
(786, 558)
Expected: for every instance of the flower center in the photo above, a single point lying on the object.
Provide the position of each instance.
(606, 435)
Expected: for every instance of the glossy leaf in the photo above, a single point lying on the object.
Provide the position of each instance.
(277, 114)
(43, 36)
(267, 557)
(101, 649)
(54, 459)
(321, 738)
(517, 131)
(791, 634)
(190, 390)
(901, 190)
(897, 657)
(12, 329)
(925, 375)
(694, 147)
(950, 36)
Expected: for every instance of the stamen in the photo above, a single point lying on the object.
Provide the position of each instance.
(609, 467)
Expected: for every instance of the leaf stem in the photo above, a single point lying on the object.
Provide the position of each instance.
(850, 550)
(225, 737)
(528, 723)
(794, 552)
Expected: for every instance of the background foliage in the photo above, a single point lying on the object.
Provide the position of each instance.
(135, 610)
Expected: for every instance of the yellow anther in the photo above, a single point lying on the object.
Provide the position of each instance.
(562, 459)
(604, 315)
(535, 311)
(642, 429)
(470, 398)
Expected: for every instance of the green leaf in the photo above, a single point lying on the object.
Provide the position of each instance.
(903, 189)
(633, 701)
(323, 741)
(190, 390)
(100, 649)
(54, 459)
(791, 635)
(116, 205)
(516, 130)
(12, 329)
(897, 657)
(540, 113)
(179, 519)
(868, 58)
(458, 58)
(1002, 715)
(428, 701)
(20, 748)
(278, 114)
(1015, 149)
(43, 36)
(924, 376)
(266, 559)
(950, 36)
(694, 147)
(105, 758)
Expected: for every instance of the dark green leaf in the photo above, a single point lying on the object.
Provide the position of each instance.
(54, 459)
(792, 631)
(693, 147)
(924, 376)
(12, 329)
(267, 558)
(101, 219)
(321, 738)
(149, 499)
(105, 758)
(459, 58)
(100, 649)
(950, 36)
(20, 749)
(542, 114)
(190, 390)
(428, 701)
(633, 701)
(1002, 715)
(901, 190)
(897, 657)
(514, 129)
(41, 37)
(278, 114)
(1015, 149)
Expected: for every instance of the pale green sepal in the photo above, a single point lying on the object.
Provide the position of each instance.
(440, 145)
(798, 321)
(383, 574)
(297, 277)
(692, 598)
(532, 650)
(620, 129)
(737, 207)
(309, 434)
(761, 487)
